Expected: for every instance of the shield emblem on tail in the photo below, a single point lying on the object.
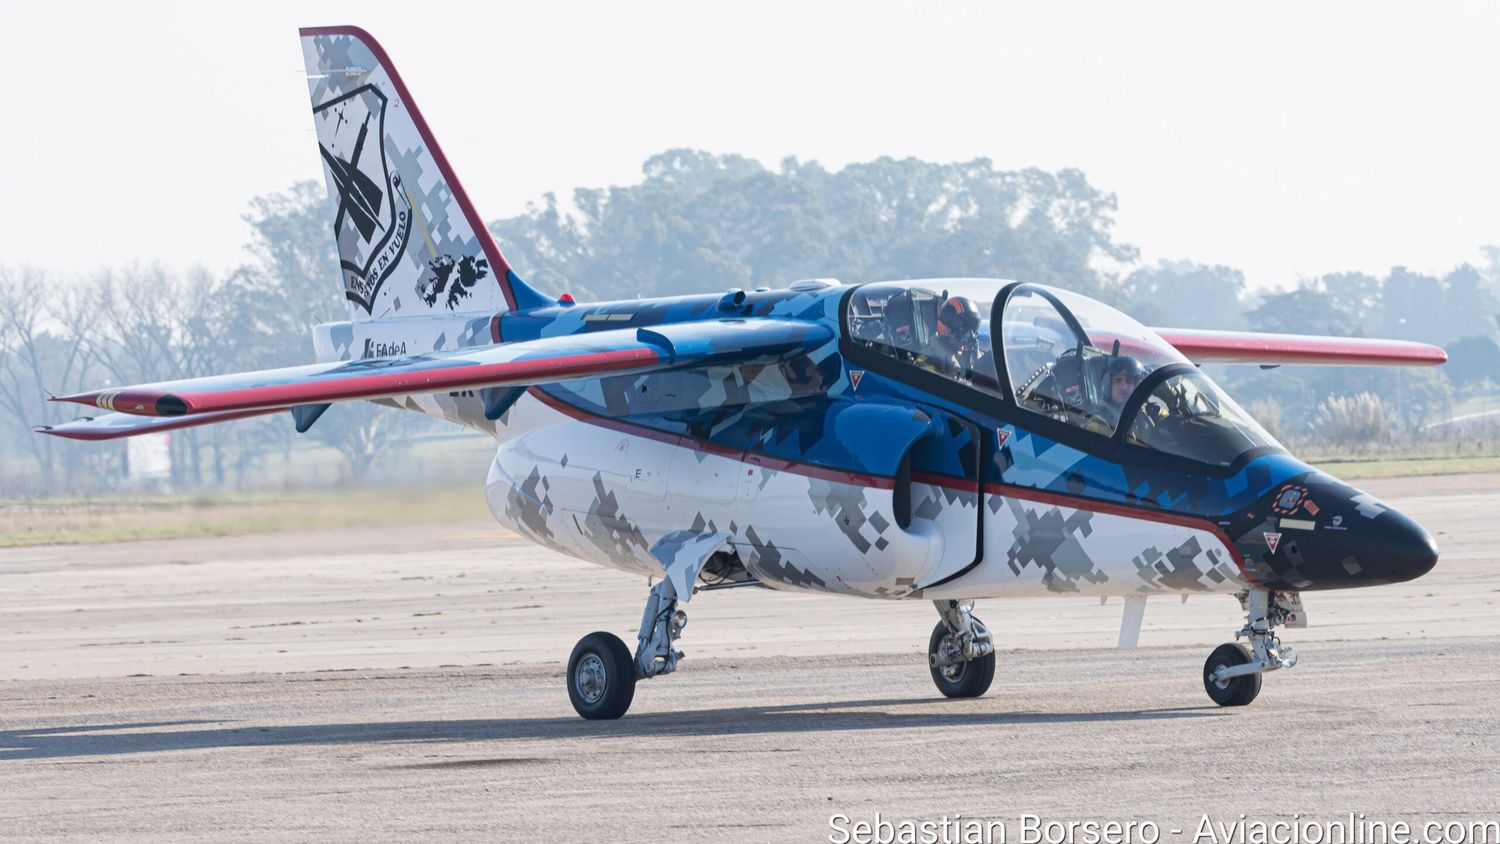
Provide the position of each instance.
(372, 215)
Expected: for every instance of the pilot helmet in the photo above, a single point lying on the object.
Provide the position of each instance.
(958, 316)
(1125, 365)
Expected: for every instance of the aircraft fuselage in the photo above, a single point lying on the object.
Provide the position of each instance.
(838, 473)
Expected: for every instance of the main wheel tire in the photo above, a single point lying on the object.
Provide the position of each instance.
(967, 679)
(601, 677)
(1236, 691)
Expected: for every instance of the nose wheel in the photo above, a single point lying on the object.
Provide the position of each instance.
(1230, 691)
(1232, 674)
(960, 652)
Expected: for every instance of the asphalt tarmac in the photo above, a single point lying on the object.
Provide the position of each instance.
(408, 682)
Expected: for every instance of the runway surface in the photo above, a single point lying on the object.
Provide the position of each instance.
(399, 682)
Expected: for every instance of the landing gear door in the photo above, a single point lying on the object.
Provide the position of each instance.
(945, 486)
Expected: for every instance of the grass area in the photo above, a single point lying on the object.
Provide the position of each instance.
(1476, 403)
(57, 521)
(1354, 468)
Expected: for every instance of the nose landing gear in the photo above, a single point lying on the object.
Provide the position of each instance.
(960, 652)
(1232, 674)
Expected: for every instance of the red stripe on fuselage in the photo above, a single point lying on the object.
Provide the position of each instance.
(945, 481)
(932, 478)
(811, 470)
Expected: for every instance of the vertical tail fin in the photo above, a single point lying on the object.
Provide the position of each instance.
(409, 241)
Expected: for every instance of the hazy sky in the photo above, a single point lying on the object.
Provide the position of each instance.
(1284, 139)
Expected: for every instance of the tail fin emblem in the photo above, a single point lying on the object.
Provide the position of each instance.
(373, 220)
(359, 197)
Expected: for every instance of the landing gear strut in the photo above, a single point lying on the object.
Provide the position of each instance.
(1232, 674)
(602, 673)
(960, 651)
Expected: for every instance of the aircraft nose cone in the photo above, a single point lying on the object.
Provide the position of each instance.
(1390, 548)
(1333, 536)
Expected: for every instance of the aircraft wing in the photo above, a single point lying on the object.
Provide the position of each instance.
(112, 426)
(521, 363)
(1201, 346)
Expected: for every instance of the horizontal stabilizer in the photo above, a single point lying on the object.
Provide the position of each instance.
(524, 363)
(1202, 346)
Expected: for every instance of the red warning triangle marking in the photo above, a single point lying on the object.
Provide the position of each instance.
(855, 376)
(1272, 540)
(1001, 435)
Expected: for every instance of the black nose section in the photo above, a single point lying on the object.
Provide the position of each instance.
(1393, 549)
(1329, 535)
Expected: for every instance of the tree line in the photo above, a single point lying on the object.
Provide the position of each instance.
(144, 323)
(700, 222)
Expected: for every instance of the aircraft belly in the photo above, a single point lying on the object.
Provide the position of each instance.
(583, 490)
(608, 497)
(1043, 548)
(462, 407)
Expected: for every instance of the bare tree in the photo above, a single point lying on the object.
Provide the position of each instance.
(37, 356)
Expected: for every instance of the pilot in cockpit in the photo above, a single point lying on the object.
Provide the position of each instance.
(957, 341)
(1121, 377)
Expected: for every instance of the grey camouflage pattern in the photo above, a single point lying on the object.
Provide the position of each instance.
(403, 239)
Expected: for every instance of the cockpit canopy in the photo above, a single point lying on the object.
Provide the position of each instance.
(904, 320)
(1063, 356)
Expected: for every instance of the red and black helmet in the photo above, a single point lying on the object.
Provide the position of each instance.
(959, 315)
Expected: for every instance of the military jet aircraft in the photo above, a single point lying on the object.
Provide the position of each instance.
(941, 440)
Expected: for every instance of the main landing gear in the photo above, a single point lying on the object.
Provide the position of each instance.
(1232, 673)
(601, 671)
(960, 651)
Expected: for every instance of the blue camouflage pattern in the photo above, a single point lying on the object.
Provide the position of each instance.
(821, 413)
